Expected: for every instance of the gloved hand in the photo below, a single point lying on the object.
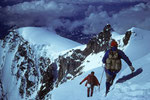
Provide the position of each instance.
(80, 83)
(132, 68)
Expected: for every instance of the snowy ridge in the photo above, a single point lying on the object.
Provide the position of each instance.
(137, 88)
(44, 36)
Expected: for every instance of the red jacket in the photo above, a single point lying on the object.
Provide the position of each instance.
(91, 79)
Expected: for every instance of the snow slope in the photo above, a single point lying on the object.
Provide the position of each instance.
(137, 88)
(41, 36)
(139, 44)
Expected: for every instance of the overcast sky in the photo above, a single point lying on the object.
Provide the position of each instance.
(122, 15)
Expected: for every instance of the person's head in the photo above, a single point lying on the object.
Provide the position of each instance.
(108, 25)
(114, 43)
(92, 73)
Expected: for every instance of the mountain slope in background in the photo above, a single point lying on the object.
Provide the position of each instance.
(41, 36)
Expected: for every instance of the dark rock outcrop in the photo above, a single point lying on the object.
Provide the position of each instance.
(98, 43)
(127, 37)
(47, 82)
(70, 64)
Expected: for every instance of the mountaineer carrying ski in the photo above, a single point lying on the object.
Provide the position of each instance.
(91, 82)
(112, 60)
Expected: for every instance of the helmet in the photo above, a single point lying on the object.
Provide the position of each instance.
(114, 43)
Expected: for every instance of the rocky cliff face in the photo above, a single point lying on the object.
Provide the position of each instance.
(30, 71)
(70, 64)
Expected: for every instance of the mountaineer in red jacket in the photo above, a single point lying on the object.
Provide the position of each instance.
(91, 82)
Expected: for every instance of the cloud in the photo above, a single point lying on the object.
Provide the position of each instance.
(136, 16)
(59, 13)
(95, 22)
(106, 1)
(37, 12)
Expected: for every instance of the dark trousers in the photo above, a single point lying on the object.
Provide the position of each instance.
(90, 89)
(110, 76)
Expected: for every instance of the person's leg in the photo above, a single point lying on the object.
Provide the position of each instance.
(108, 82)
(107, 87)
(92, 88)
(88, 91)
(112, 79)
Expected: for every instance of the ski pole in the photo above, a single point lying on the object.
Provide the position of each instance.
(101, 77)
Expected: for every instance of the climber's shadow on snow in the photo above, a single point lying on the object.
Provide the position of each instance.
(129, 76)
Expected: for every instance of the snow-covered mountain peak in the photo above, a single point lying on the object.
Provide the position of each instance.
(138, 45)
(139, 34)
(43, 36)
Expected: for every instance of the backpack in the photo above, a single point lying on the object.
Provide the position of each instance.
(91, 80)
(113, 62)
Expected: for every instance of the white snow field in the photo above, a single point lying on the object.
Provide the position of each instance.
(44, 36)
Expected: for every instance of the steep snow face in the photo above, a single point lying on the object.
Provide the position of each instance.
(137, 88)
(139, 44)
(44, 36)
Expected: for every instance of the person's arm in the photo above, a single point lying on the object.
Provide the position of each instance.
(126, 59)
(84, 80)
(105, 56)
(97, 82)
